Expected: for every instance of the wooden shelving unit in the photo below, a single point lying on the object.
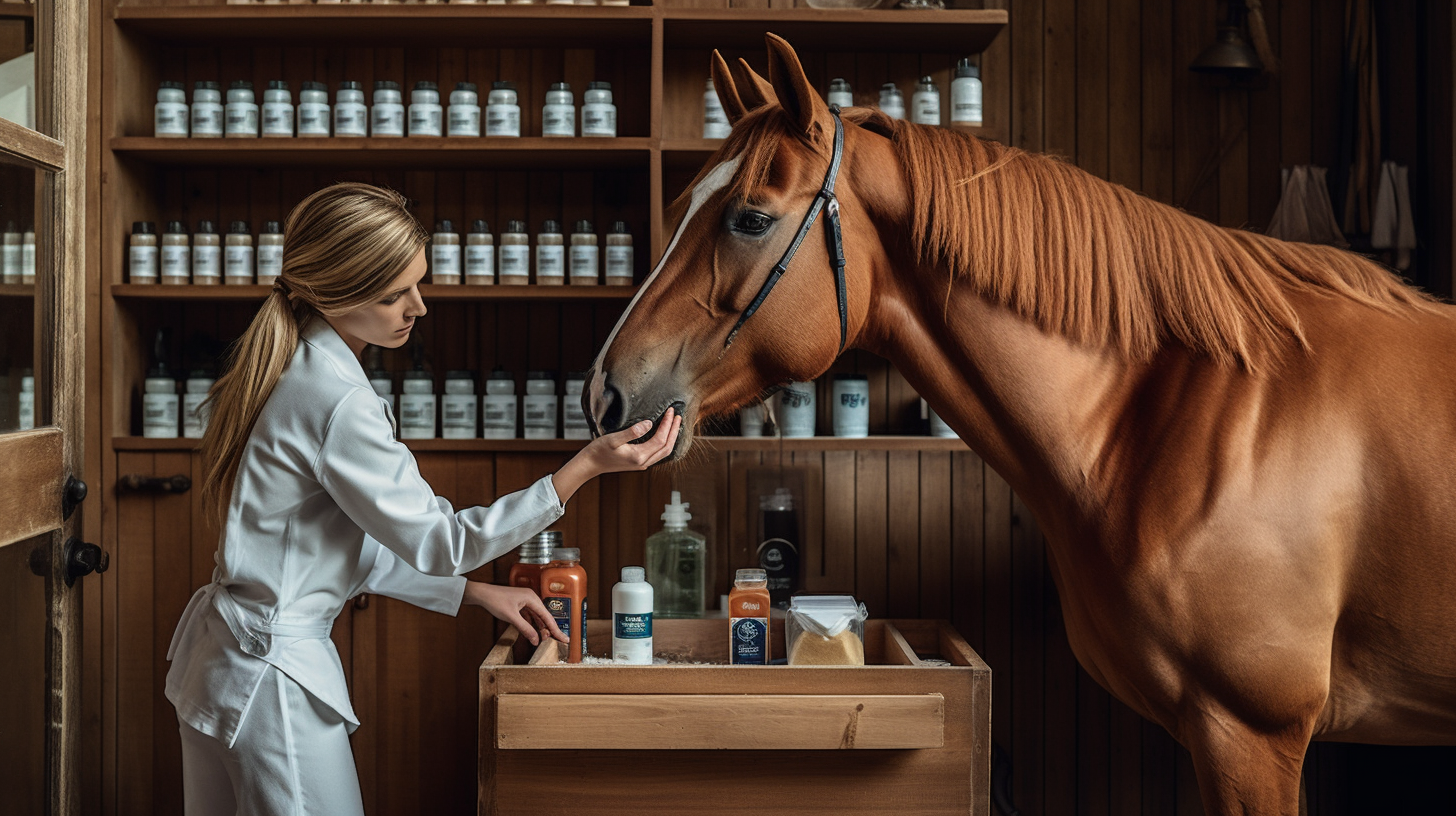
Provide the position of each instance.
(405, 153)
(431, 292)
(721, 443)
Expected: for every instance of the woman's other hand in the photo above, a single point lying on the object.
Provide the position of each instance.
(615, 452)
(518, 606)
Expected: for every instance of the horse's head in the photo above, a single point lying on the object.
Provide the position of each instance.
(680, 341)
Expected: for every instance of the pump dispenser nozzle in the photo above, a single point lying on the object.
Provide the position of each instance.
(676, 515)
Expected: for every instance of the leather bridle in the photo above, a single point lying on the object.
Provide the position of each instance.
(824, 200)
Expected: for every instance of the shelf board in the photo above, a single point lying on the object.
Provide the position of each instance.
(407, 153)
(430, 292)
(722, 443)
(17, 11)
(17, 290)
(958, 31)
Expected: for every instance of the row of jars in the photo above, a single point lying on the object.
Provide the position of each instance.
(17, 264)
(795, 411)
(209, 117)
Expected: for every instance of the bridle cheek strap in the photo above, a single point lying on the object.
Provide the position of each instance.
(823, 200)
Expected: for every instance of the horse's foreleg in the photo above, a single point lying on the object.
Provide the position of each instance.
(1244, 771)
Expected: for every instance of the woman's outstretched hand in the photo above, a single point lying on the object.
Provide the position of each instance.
(615, 452)
(518, 606)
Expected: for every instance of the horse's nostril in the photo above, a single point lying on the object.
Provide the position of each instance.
(614, 409)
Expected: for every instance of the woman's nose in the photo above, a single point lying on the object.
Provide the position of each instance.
(416, 304)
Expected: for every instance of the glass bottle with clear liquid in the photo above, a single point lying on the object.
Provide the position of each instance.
(676, 564)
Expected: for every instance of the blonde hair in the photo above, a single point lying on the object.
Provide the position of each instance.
(343, 247)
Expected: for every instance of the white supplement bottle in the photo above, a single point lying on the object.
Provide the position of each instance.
(632, 619)
(619, 255)
(751, 419)
(550, 255)
(457, 409)
(270, 253)
(598, 114)
(796, 410)
(583, 256)
(539, 407)
(171, 111)
(351, 115)
(925, 103)
(417, 405)
(10, 260)
(382, 385)
(425, 113)
(445, 254)
(515, 255)
(938, 428)
(479, 255)
(558, 117)
(237, 255)
(573, 416)
(240, 116)
(715, 121)
(840, 93)
(498, 408)
(313, 109)
(892, 102)
(207, 115)
(27, 256)
(141, 256)
(387, 115)
(206, 255)
(965, 94)
(26, 419)
(176, 254)
(277, 109)
(464, 113)
(160, 405)
(194, 414)
(851, 405)
(502, 114)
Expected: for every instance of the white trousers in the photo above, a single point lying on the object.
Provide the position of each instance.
(291, 758)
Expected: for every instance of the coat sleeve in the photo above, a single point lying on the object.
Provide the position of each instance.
(393, 578)
(375, 481)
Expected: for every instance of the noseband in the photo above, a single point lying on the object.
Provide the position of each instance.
(824, 199)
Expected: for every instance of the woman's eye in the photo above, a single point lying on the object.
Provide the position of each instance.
(391, 300)
(752, 222)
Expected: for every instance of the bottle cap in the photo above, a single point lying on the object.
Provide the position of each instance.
(599, 86)
(502, 85)
(565, 553)
(350, 85)
(176, 227)
(964, 68)
(444, 226)
(551, 227)
(515, 226)
(478, 226)
(173, 86)
(619, 227)
(633, 575)
(780, 500)
(560, 86)
(537, 549)
(465, 86)
(750, 574)
(839, 84)
(206, 85)
(888, 87)
(925, 80)
(272, 227)
(205, 228)
(315, 86)
(582, 226)
(418, 374)
(855, 377)
(500, 374)
(240, 85)
(386, 85)
(143, 228)
(541, 375)
(277, 85)
(239, 228)
(676, 511)
(426, 85)
(576, 375)
(460, 374)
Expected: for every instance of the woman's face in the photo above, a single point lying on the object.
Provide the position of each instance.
(386, 322)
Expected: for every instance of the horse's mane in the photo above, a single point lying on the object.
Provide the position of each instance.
(1091, 260)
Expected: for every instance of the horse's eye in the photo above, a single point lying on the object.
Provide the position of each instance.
(752, 222)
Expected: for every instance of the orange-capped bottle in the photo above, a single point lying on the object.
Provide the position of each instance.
(532, 557)
(563, 590)
(748, 605)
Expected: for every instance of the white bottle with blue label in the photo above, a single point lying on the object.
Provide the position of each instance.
(632, 619)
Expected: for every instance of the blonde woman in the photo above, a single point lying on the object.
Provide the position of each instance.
(317, 502)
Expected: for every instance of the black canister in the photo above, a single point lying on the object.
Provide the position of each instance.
(778, 549)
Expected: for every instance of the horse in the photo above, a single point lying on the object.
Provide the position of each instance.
(1239, 449)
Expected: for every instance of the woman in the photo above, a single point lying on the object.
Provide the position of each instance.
(317, 502)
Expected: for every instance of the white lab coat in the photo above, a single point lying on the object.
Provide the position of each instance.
(326, 505)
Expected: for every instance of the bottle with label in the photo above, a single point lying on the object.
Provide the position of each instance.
(598, 113)
(10, 260)
(892, 102)
(141, 256)
(532, 557)
(796, 411)
(632, 619)
(26, 419)
(270, 253)
(457, 409)
(515, 255)
(502, 114)
(445, 254)
(313, 109)
(965, 94)
(539, 407)
(550, 255)
(240, 115)
(558, 117)
(715, 121)
(851, 405)
(778, 548)
(479, 255)
(277, 109)
(206, 255)
(351, 115)
(498, 409)
(583, 258)
(237, 255)
(619, 255)
(573, 416)
(386, 117)
(840, 93)
(194, 413)
(417, 403)
(380, 382)
(27, 256)
(171, 116)
(160, 403)
(176, 254)
(425, 113)
(748, 605)
(207, 114)
(463, 118)
(925, 102)
(677, 564)
(563, 590)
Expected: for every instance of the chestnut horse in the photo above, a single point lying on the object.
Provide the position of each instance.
(1239, 449)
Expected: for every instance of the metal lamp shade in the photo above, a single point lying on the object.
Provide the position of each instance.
(1230, 54)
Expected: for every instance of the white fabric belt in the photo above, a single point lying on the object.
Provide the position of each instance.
(254, 634)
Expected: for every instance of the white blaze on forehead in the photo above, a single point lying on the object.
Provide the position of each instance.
(711, 183)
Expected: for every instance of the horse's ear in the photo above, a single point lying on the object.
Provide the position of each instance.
(804, 106)
(754, 89)
(727, 89)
